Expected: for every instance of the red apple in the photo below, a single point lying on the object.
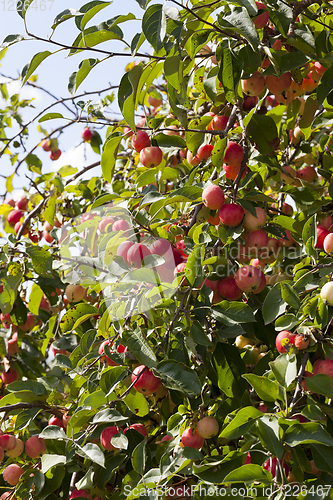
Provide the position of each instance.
(261, 20)
(12, 474)
(9, 377)
(307, 174)
(204, 152)
(301, 342)
(228, 289)
(256, 241)
(248, 278)
(253, 223)
(219, 122)
(151, 157)
(139, 428)
(16, 451)
(22, 203)
(140, 140)
(213, 197)
(234, 154)
(106, 436)
(55, 155)
(7, 442)
(35, 236)
(255, 85)
(120, 225)
(322, 233)
(231, 215)
(9, 201)
(146, 383)
(14, 216)
(105, 224)
(324, 366)
(47, 237)
(231, 172)
(283, 339)
(87, 134)
(278, 84)
(137, 253)
(192, 440)
(80, 494)
(13, 347)
(35, 447)
(56, 421)
(123, 248)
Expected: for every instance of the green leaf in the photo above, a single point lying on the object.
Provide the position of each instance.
(236, 312)
(239, 19)
(249, 473)
(141, 349)
(70, 317)
(154, 26)
(49, 461)
(218, 152)
(306, 433)
(53, 432)
(92, 12)
(325, 86)
(274, 305)
(284, 369)
(173, 68)
(263, 132)
(230, 367)
(50, 209)
(92, 452)
(230, 73)
(195, 139)
(127, 93)
(290, 296)
(41, 260)
(107, 416)
(22, 7)
(193, 268)
(64, 16)
(321, 384)
(214, 471)
(50, 116)
(96, 35)
(269, 435)
(78, 77)
(109, 156)
(169, 141)
(137, 403)
(27, 385)
(37, 59)
(309, 230)
(267, 390)
(34, 164)
(241, 423)
(138, 458)
(179, 377)
(35, 297)
(322, 457)
(286, 322)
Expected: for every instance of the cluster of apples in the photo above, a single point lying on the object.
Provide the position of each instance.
(252, 351)
(13, 447)
(16, 216)
(150, 156)
(206, 428)
(51, 145)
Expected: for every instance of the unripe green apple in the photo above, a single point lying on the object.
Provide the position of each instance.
(208, 427)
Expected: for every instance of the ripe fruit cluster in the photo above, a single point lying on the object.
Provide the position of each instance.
(206, 428)
(51, 145)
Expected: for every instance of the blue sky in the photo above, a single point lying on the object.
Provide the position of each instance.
(53, 74)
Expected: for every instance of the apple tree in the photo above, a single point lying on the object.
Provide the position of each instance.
(166, 325)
